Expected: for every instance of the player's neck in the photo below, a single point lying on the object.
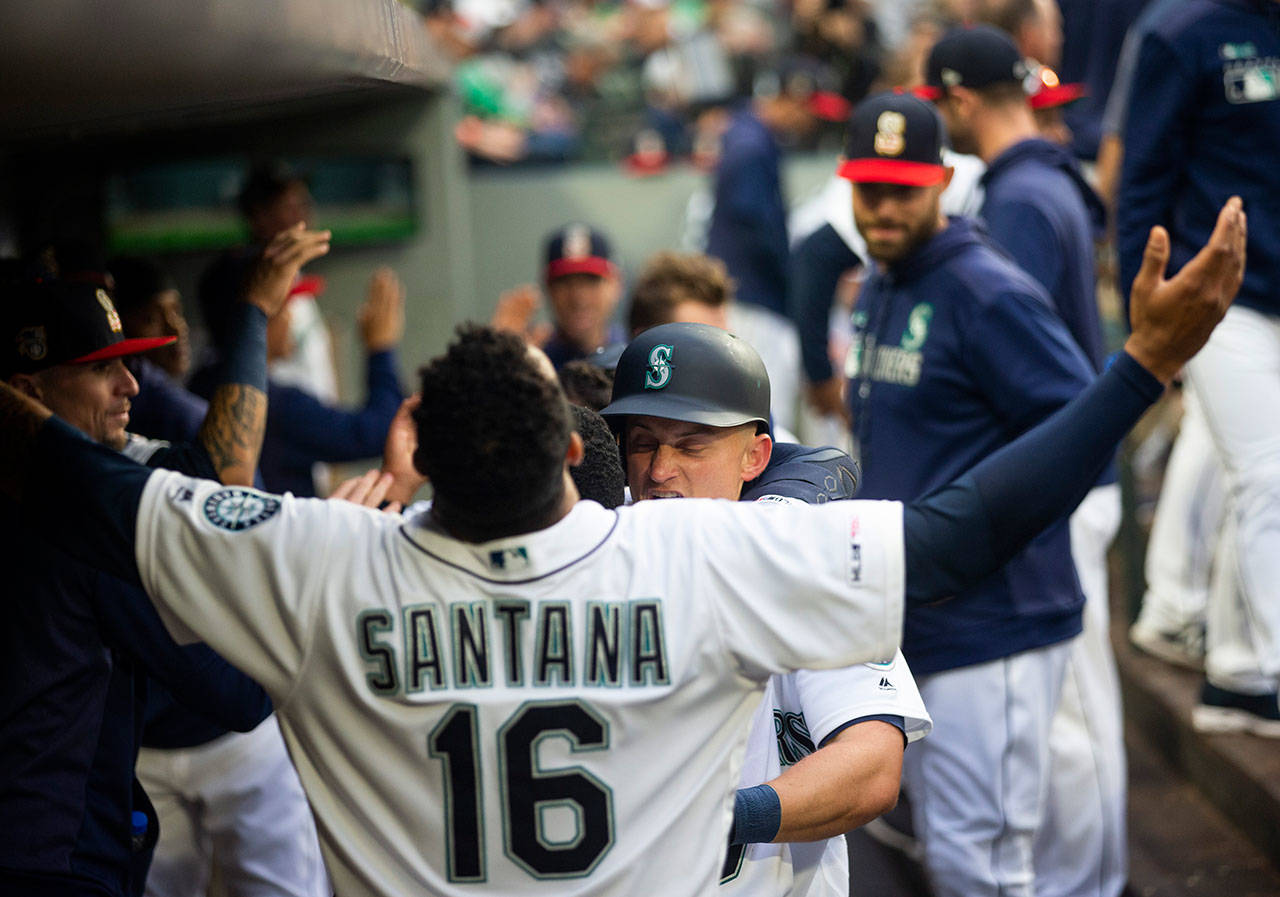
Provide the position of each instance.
(465, 528)
(1003, 128)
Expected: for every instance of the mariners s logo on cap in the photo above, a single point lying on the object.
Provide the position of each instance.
(658, 373)
(113, 318)
(33, 343)
(890, 128)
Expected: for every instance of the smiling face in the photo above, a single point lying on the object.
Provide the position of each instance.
(677, 459)
(582, 305)
(92, 397)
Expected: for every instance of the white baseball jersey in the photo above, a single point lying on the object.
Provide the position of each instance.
(563, 712)
(800, 711)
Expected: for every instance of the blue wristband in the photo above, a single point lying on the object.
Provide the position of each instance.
(757, 815)
(246, 358)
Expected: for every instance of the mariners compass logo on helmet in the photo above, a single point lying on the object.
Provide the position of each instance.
(658, 373)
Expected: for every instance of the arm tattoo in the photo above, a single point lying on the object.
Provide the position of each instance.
(232, 432)
(20, 421)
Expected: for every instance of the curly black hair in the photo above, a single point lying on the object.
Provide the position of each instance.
(599, 477)
(492, 432)
(586, 384)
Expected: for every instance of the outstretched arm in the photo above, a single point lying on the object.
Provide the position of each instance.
(232, 430)
(962, 532)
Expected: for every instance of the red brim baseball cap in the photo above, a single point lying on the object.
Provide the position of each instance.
(927, 92)
(577, 249)
(1058, 95)
(125, 347)
(891, 171)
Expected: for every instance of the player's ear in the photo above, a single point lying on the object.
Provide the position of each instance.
(757, 456)
(576, 452)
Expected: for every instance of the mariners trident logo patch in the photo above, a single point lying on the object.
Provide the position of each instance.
(658, 373)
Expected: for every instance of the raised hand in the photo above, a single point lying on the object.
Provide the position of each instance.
(1173, 318)
(268, 283)
(381, 318)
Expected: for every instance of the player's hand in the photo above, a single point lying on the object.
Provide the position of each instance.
(515, 312)
(828, 397)
(269, 282)
(381, 318)
(368, 490)
(1173, 318)
(397, 453)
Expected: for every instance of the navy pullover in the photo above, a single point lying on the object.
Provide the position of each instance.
(1204, 124)
(958, 352)
(1039, 209)
(748, 229)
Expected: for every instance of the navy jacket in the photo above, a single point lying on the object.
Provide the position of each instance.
(75, 656)
(163, 409)
(1204, 124)
(748, 229)
(1039, 209)
(958, 352)
(817, 264)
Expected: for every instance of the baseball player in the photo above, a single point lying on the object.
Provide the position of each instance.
(958, 350)
(1039, 209)
(78, 653)
(521, 694)
(854, 722)
(1203, 123)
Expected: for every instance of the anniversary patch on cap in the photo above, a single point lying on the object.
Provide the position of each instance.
(54, 322)
(578, 249)
(894, 138)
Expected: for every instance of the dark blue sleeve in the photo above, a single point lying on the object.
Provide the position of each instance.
(100, 486)
(892, 720)
(1023, 231)
(329, 433)
(817, 264)
(195, 675)
(1156, 137)
(962, 532)
(810, 475)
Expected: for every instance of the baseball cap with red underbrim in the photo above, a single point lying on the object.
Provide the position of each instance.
(47, 323)
(975, 56)
(894, 138)
(1052, 93)
(578, 249)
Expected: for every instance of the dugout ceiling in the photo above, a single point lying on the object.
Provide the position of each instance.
(72, 69)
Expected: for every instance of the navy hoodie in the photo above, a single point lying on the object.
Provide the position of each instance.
(1039, 209)
(957, 351)
(1203, 125)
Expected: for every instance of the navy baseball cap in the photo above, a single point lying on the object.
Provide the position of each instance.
(894, 138)
(578, 249)
(974, 56)
(47, 323)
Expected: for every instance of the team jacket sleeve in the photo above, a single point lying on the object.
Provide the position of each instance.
(237, 568)
(194, 674)
(1155, 142)
(1023, 231)
(334, 434)
(816, 266)
(801, 587)
(962, 532)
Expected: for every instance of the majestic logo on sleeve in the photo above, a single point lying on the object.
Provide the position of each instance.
(237, 510)
(33, 343)
(658, 373)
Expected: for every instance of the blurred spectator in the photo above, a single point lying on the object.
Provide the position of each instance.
(150, 306)
(586, 383)
(274, 198)
(680, 286)
(584, 284)
(1093, 32)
